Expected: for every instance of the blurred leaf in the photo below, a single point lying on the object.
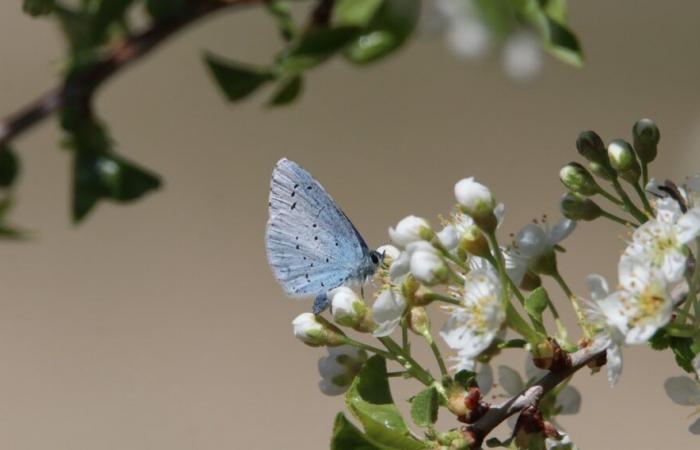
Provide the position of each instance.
(513, 343)
(76, 27)
(661, 340)
(370, 401)
(424, 407)
(391, 25)
(556, 9)
(107, 13)
(107, 176)
(281, 10)
(38, 7)
(466, 378)
(498, 15)
(346, 436)
(682, 350)
(355, 12)
(235, 79)
(314, 47)
(164, 9)
(8, 231)
(9, 167)
(535, 304)
(288, 92)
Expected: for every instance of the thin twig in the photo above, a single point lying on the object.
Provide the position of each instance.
(81, 85)
(533, 394)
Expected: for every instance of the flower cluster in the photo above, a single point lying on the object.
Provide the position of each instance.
(494, 298)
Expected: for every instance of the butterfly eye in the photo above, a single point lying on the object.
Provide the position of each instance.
(374, 257)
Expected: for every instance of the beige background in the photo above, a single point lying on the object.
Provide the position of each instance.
(158, 326)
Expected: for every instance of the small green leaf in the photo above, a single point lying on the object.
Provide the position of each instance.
(424, 407)
(355, 12)
(346, 436)
(314, 47)
(235, 79)
(683, 352)
(660, 341)
(466, 378)
(499, 16)
(107, 13)
(390, 27)
(9, 166)
(535, 304)
(288, 92)
(369, 399)
(164, 9)
(38, 7)
(281, 10)
(563, 43)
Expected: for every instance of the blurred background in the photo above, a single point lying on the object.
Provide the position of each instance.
(159, 325)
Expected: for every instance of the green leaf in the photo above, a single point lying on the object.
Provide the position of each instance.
(424, 407)
(164, 9)
(390, 27)
(9, 167)
(314, 47)
(107, 13)
(346, 436)
(236, 80)
(288, 92)
(355, 12)
(369, 399)
(38, 7)
(499, 16)
(107, 176)
(682, 350)
(281, 10)
(660, 341)
(535, 304)
(466, 378)
(513, 343)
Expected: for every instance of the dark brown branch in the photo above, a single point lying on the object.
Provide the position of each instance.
(532, 395)
(80, 86)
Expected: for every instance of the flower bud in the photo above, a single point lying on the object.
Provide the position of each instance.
(339, 368)
(315, 331)
(349, 310)
(624, 160)
(591, 147)
(426, 265)
(575, 207)
(646, 138)
(390, 253)
(605, 172)
(577, 179)
(474, 242)
(419, 322)
(410, 229)
(477, 202)
(448, 237)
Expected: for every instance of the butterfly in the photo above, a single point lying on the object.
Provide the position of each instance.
(312, 247)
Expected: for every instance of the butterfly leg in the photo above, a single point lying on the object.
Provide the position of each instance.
(320, 303)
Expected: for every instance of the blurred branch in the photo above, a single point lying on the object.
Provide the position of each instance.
(83, 84)
(533, 394)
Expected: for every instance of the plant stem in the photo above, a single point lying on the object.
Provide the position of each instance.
(643, 198)
(629, 205)
(405, 343)
(409, 363)
(436, 352)
(617, 219)
(369, 348)
(610, 197)
(574, 303)
(442, 298)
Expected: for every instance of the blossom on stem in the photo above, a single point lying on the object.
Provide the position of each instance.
(339, 368)
(410, 229)
(315, 331)
(662, 240)
(473, 326)
(533, 243)
(476, 201)
(349, 310)
(388, 309)
(426, 264)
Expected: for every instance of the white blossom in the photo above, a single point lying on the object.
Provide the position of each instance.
(387, 311)
(448, 236)
(661, 240)
(347, 307)
(409, 229)
(532, 242)
(472, 327)
(426, 265)
(308, 329)
(475, 198)
(339, 368)
(522, 56)
(390, 252)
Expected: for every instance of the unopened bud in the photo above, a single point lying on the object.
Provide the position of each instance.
(316, 331)
(605, 172)
(575, 207)
(349, 310)
(577, 179)
(646, 139)
(474, 242)
(591, 147)
(624, 160)
(477, 202)
(419, 322)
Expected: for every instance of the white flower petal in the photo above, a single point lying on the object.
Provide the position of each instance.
(561, 230)
(688, 226)
(598, 287)
(484, 379)
(387, 311)
(532, 372)
(696, 364)
(400, 267)
(569, 400)
(531, 241)
(614, 363)
(329, 388)
(389, 251)
(667, 210)
(683, 391)
(522, 56)
(329, 367)
(448, 236)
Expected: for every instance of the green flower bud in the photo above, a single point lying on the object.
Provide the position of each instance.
(624, 160)
(591, 147)
(603, 171)
(348, 310)
(646, 138)
(316, 331)
(576, 207)
(577, 179)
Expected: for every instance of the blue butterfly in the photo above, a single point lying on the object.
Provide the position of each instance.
(312, 246)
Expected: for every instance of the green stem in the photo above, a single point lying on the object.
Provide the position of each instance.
(693, 284)
(629, 206)
(574, 303)
(369, 348)
(409, 363)
(436, 352)
(610, 197)
(617, 219)
(431, 296)
(446, 253)
(645, 174)
(399, 373)
(643, 198)
(405, 343)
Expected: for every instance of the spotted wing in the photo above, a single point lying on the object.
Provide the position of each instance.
(311, 244)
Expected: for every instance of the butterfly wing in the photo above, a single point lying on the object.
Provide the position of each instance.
(311, 244)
